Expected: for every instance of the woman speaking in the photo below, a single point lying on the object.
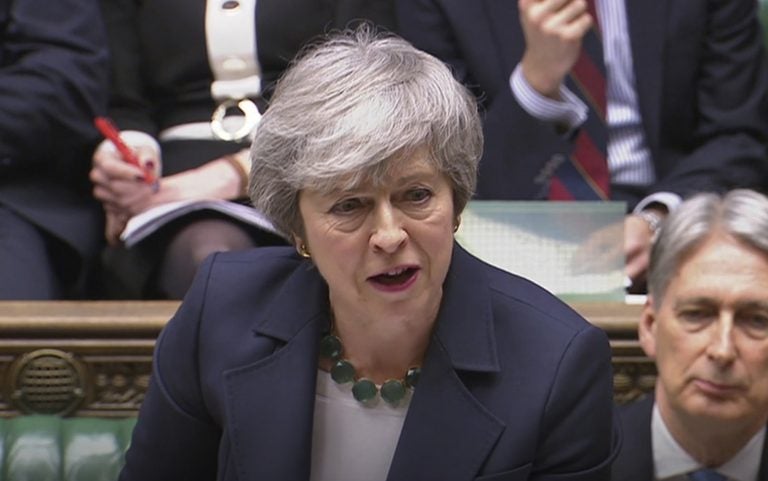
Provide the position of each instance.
(375, 348)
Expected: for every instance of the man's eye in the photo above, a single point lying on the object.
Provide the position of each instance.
(695, 316)
(755, 323)
(346, 206)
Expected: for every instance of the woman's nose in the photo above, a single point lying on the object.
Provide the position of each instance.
(388, 233)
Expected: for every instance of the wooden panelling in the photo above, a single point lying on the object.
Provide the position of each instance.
(93, 358)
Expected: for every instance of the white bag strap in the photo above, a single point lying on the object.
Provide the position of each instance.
(230, 29)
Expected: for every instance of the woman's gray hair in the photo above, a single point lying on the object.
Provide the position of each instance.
(740, 213)
(350, 107)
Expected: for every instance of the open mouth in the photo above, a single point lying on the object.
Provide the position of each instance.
(395, 277)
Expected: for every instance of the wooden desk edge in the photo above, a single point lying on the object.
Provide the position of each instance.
(133, 317)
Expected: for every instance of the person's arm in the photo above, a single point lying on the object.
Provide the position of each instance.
(553, 31)
(731, 113)
(175, 437)
(130, 106)
(579, 436)
(53, 76)
(117, 185)
(521, 151)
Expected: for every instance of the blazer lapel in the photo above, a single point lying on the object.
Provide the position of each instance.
(270, 403)
(448, 434)
(646, 23)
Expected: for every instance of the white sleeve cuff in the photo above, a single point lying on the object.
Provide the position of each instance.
(667, 199)
(133, 138)
(570, 111)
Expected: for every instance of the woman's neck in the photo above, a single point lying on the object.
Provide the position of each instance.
(382, 349)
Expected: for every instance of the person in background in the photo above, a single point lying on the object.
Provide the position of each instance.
(705, 323)
(642, 102)
(189, 82)
(53, 80)
(375, 347)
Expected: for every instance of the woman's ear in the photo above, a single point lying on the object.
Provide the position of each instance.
(297, 240)
(301, 246)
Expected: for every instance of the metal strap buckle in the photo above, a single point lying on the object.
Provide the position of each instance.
(251, 115)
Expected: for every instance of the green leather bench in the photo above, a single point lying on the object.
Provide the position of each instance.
(52, 448)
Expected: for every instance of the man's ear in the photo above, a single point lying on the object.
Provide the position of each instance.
(646, 328)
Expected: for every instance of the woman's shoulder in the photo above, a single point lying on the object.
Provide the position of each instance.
(521, 300)
(252, 264)
(249, 277)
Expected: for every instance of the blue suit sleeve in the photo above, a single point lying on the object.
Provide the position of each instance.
(174, 437)
(580, 436)
(731, 113)
(53, 77)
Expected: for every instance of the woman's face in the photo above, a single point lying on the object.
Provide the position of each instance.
(383, 250)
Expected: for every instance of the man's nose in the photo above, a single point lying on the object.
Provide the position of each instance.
(721, 347)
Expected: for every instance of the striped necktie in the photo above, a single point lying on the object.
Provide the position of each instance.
(585, 176)
(706, 475)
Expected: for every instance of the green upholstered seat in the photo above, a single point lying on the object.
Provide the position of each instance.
(51, 448)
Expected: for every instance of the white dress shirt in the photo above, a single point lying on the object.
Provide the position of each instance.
(671, 461)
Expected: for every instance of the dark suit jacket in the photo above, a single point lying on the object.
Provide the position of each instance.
(53, 76)
(515, 385)
(635, 460)
(701, 81)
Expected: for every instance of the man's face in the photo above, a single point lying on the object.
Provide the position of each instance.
(709, 337)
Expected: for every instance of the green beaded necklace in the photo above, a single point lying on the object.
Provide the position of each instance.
(364, 390)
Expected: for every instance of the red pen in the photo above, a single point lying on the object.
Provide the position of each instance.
(110, 132)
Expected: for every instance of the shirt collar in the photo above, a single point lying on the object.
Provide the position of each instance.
(670, 459)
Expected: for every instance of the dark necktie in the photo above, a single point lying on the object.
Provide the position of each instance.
(706, 475)
(585, 176)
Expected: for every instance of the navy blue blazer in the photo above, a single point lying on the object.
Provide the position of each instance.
(701, 81)
(635, 460)
(53, 80)
(515, 385)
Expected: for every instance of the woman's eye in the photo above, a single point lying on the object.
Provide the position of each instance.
(418, 195)
(346, 206)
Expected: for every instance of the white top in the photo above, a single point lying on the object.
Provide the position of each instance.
(352, 441)
(671, 461)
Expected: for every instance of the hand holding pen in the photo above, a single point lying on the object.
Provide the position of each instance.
(110, 132)
(125, 178)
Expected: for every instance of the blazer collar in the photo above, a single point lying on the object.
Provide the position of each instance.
(447, 434)
(464, 325)
(465, 321)
(302, 299)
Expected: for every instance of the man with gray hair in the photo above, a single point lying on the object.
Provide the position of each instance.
(705, 324)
